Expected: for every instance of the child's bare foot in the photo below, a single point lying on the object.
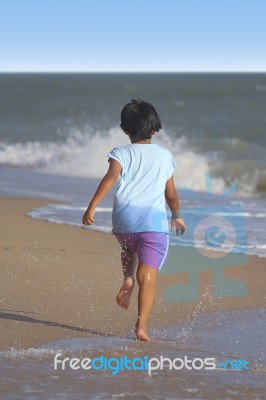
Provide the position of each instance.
(141, 334)
(124, 294)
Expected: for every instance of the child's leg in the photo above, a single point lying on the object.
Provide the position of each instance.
(146, 278)
(129, 261)
(152, 251)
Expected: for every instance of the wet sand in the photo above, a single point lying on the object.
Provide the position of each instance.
(59, 281)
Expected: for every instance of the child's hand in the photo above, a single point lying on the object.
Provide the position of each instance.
(178, 223)
(88, 217)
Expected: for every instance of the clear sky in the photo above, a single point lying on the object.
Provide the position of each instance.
(132, 35)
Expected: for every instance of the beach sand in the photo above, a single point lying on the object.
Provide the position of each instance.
(59, 281)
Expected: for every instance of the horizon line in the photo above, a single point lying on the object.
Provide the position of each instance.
(135, 72)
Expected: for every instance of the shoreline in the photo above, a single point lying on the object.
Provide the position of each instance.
(59, 281)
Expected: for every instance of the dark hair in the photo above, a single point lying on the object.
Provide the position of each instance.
(139, 119)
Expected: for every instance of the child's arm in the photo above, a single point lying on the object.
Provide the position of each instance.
(171, 198)
(104, 187)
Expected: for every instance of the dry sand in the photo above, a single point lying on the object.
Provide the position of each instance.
(59, 281)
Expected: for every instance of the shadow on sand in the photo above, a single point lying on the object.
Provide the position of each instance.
(25, 318)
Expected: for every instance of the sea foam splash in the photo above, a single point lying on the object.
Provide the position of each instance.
(83, 153)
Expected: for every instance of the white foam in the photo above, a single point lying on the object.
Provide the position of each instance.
(39, 214)
(72, 208)
(14, 353)
(240, 214)
(81, 154)
(84, 154)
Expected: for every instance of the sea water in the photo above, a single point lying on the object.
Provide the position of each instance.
(55, 133)
(231, 335)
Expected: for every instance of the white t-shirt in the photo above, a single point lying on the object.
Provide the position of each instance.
(139, 202)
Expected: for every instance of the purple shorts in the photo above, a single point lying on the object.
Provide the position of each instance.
(151, 248)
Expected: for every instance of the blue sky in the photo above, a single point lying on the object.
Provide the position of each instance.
(132, 35)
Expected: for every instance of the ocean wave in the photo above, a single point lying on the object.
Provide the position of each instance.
(84, 154)
(73, 208)
(43, 214)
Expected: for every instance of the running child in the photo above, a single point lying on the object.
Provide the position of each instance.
(140, 224)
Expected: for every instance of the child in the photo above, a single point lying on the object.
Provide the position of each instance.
(139, 215)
